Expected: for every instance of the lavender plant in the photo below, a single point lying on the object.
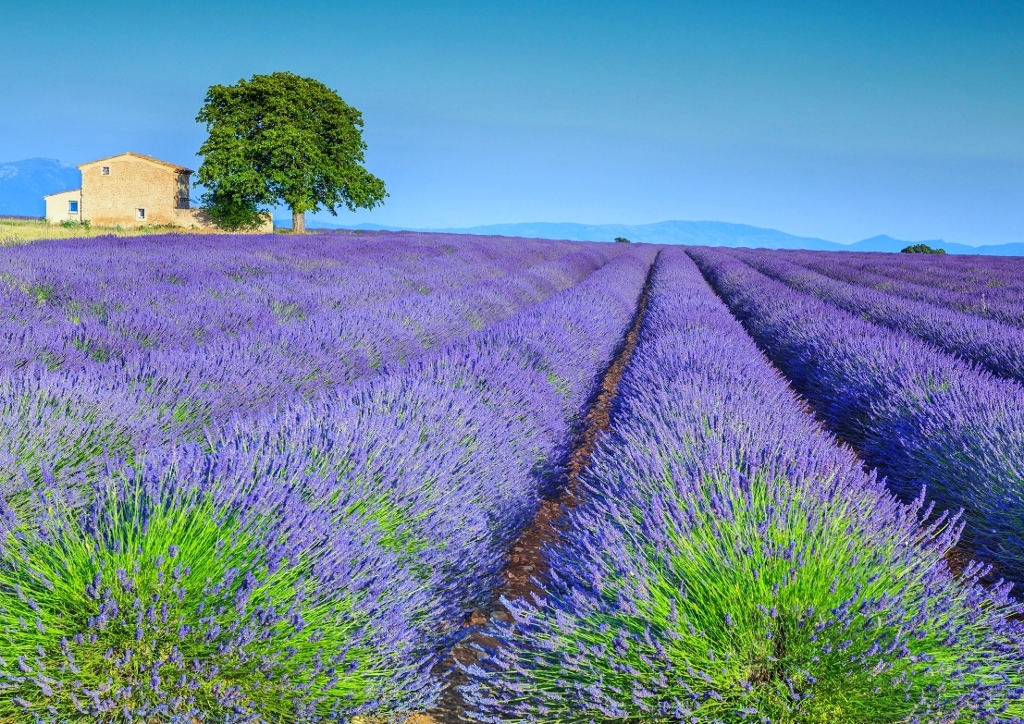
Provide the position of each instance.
(731, 563)
(193, 592)
(988, 290)
(997, 347)
(174, 389)
(921, 417)
(70, 304)
(378, 514)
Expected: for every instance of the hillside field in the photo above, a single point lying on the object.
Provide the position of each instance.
(428, 477)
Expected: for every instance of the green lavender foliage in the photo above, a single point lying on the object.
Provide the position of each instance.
(779, 611)
(164, 602)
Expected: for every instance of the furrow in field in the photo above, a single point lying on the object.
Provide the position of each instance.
(526, 568)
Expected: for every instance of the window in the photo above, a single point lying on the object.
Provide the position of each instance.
(72, 207)
(140, 214)
(105, 170)
(182, 202)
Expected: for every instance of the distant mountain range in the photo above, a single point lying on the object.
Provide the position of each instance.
(706, 233)
(24, 183)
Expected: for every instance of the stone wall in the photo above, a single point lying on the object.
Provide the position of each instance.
(197, 219)
(136, 182)
(133, 183)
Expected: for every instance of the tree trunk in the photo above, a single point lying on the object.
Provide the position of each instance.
(298, 222)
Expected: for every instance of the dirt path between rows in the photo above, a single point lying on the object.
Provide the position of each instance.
(526, 570)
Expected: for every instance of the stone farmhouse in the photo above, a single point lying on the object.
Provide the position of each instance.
(131, 190)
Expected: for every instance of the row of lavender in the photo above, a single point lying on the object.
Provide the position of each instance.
(144, 399)
(315, 562)
(918, 415)
(967, 273)
(731, 562)
(109, 304)
(989, 287)
(995, 346)
(114, 297)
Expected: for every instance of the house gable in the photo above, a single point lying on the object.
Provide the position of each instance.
(133, 190)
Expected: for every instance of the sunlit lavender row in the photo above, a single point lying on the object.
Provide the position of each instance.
(732, 562)
(920, 416)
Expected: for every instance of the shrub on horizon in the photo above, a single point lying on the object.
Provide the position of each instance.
(921, 249)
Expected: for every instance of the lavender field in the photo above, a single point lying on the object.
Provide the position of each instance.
(304, 478)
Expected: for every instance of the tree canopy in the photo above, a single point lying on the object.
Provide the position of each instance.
(281, 138)
(921, 249)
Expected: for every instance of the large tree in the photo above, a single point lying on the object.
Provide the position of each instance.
(281, 138)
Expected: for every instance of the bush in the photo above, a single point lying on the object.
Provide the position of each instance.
(921, 249)
(622, 240)
(173, 598)
(232, 214)
(72, 224)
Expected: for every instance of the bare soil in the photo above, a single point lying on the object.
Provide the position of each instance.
(526, 568)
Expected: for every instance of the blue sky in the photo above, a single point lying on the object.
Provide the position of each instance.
(840, 120)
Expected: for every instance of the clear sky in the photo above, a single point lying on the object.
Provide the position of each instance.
(833, 119)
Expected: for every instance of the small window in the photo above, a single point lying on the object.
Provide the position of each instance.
(105, 170)
(182, 191)
(72, 207)
(140, 214)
